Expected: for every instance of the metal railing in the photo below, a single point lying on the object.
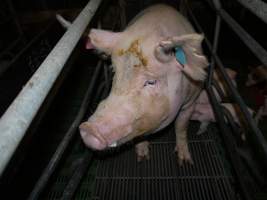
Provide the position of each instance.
(17, 118)
(255, 136)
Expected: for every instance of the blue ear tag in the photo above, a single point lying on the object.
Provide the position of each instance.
(180, 55)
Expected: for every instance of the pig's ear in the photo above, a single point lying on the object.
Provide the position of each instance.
(194, 62)
(102, 40)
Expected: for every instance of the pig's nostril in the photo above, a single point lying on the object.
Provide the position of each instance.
(91, 136)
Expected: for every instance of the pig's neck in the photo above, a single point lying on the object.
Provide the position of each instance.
(182, 93)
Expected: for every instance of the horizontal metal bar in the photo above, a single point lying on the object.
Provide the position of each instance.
(57, 156)
(16, 120)
(257, 7)
(248, 40)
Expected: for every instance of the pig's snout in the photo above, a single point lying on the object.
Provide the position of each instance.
(91, 136)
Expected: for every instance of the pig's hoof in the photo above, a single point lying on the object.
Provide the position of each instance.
(184, 155)
(142, 151)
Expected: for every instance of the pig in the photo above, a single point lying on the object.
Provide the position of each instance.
(204, 113)
(150, 86)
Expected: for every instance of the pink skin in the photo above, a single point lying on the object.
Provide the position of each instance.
(149, 85)
(204, 112)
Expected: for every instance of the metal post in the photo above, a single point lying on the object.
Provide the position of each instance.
(228, 139)
(214, 48)
(257, 7)
(248, 40)
(16, 120)
(257, 136)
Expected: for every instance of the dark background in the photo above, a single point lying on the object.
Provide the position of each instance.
(22, 21)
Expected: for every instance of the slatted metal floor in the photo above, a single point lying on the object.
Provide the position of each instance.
(120, 176)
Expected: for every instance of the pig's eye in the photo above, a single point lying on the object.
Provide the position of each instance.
(150, 82)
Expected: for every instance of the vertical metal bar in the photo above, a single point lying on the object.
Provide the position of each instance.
(217, 4)
(214, 49)
(232, 152)
(18, 117)
(13, 13)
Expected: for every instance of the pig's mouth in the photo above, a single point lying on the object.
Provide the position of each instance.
(97, 141)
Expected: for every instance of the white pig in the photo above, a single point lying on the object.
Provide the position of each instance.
(149, 86)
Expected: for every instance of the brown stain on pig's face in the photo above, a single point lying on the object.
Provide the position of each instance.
(134, 49)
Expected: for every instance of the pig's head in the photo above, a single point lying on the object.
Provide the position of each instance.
(145, 86)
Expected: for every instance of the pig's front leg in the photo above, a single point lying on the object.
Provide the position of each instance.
(142, 151)
(181, 125)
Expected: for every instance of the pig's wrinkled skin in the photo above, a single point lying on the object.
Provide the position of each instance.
(149, 86)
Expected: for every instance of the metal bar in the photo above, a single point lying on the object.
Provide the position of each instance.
(257, 7)
(229, 141)
(214, 48)
(218, 89)
(53, 163)
(248, 40)
(230, 119)
(77, 176)
(14, 15)
(25, 49)
(81, 170)
(257, 136)
(16, 120)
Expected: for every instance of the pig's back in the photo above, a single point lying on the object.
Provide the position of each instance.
(160, 20)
